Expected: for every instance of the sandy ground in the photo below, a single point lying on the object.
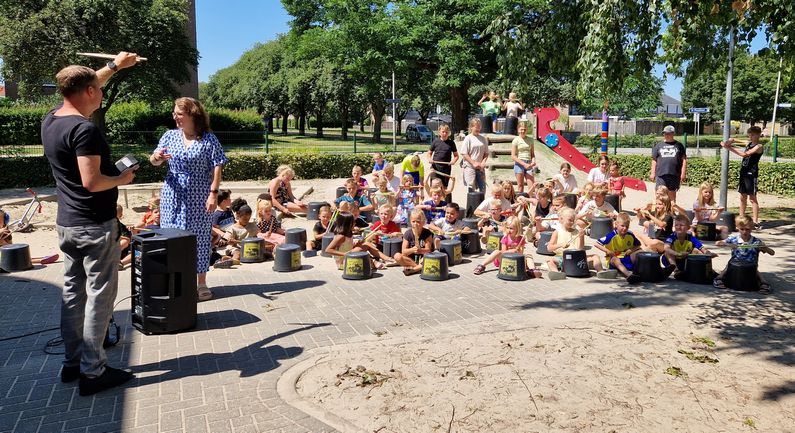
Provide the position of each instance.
(613, 371)
(622, 375)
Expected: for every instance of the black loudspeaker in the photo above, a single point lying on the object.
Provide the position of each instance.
(163, 281)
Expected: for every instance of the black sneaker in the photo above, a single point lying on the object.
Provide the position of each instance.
(112, 377)
(634, 279)
(668, 271)
(70, 374)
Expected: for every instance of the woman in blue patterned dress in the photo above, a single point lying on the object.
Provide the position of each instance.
(189, 194)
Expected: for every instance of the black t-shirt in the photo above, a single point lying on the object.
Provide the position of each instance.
(669, 157)
(124, 232)
(662, 234)
(424, 235)
(64, 139)
(750, 164)
(442, 150)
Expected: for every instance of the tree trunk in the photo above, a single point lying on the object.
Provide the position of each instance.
(269, 124)
(424, 116)
(378, 110)
(344, 118)
(285, 117)
(319, 120)
(459, 103)
(302, 123)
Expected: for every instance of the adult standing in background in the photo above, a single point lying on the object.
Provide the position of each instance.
(475, 152)
(86, 179)
(669, 163)
(190, 191)
(443, 154)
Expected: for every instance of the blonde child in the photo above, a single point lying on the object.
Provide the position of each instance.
(378, 163)
(356, 174)
(483, 211)
(597, 207)
(151, 217)
(493, 221)
(434, 208)
(268, 226)
(566, 236)
(412, 166)
(343, 243)
(385, 225)
(621, 247)
(432, 182)
(353, 194)
(389, 175)
(662, 217)
(586, 195)
(407, 199)
(704, 209)
(745, 249)
(417, 241)
(512, 242)
(383, 196)
(679, 244)
(508, 193)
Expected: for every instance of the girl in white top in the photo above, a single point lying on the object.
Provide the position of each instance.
(564, 181)
(512, 106)
(393, 182)
(599, 174)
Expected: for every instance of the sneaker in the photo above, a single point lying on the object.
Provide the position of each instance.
(70, 374)
(634, 279)
(668, 271)
(49, 259)
(758, 226)
(223, 264)
(235, 262)
(556, 275)
(111, 378)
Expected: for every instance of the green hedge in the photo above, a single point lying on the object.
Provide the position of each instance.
(774, 178)
(240, 167)
(786, 145)
(21, 125)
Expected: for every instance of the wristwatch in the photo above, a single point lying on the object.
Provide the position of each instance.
(112, 66)
(213, 191)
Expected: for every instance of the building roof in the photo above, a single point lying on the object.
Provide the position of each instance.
(666, 100)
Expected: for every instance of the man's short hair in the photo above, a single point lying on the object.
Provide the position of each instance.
(754, 130)
(74, 79)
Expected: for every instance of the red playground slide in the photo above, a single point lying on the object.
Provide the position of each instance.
(562, 147)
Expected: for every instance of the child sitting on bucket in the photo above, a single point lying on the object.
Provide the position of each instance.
(745, 249)
(620, 247)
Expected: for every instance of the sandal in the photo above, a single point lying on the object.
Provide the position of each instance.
(380, 265)
(765, 289)
(411, 271)
(204, 292)
(718, 283)
(49, 259)
(479, 269)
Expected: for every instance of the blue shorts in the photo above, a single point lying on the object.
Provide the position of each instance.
(626, 261)
(518, 169)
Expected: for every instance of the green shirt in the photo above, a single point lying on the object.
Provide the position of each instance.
(490, 107)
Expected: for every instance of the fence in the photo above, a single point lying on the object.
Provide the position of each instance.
(250, 142)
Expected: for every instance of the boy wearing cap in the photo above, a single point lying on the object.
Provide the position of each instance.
(669, 162)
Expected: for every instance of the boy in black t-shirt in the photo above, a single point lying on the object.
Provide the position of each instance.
(320, 228)
(443, 153)
(749, 170)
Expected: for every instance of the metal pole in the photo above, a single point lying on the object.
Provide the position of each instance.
(775, 104)
(727, 123)
(394, 115)
(775, 148)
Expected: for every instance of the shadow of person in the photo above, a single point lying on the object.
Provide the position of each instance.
(256, 358)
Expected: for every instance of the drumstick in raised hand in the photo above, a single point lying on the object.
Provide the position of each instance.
(109, 56)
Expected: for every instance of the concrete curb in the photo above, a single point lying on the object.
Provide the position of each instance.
(286, 389)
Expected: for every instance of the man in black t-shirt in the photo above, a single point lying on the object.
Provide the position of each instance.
(87, 180)
(669, 163)
(443, 153)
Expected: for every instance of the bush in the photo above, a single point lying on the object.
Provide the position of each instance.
(240, 167)
(21, 125)
(774, 178)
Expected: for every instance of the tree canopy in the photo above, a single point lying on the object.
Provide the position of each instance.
(39, 37)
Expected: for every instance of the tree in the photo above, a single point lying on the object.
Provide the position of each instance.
(38, 38)
(637, 98)
(754, 88)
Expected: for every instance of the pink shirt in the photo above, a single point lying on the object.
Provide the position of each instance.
(509, 243)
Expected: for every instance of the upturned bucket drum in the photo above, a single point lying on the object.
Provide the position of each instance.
(513, 267)
(286, 258)
(252, 250)
(357, 266)
(575, 263)
(435, 267)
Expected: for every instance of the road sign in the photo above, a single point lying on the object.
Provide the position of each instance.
(696, 117)
(699, 110)
(785, 105)
(393, 101)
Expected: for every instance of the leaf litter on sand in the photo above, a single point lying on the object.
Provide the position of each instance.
(363, 375)
(704, 359)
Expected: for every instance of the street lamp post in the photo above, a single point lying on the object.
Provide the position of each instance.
(727, 120)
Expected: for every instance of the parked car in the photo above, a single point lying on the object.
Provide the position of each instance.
(418, 133)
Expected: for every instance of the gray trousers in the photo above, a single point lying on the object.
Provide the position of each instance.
(91, 260)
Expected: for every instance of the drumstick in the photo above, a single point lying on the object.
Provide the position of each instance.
(440, 173)
(333, 217)
(366, 238)
(746, 246)
(109, 56)
(440, 162)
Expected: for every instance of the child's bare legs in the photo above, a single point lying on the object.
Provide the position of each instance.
(309, 246)
(407, 262)
(596, 262)
(743, 204)
(655, 245)
(496, 254)
(755, 208)
(374, 252)
(553, 265)
(520, 182)
(616, 262)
